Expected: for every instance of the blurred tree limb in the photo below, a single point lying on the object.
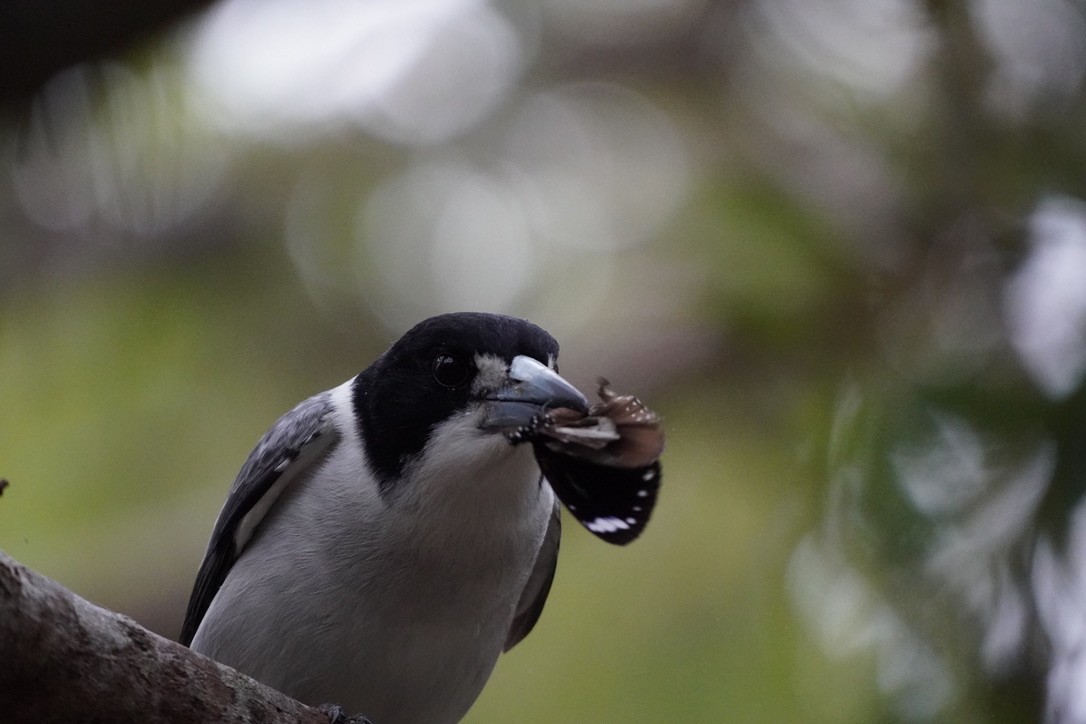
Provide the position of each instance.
(39, 39)
(67, 659)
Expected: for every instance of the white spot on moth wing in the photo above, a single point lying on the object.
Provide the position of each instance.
(631, 521)
(642, 493)
(607, 525)
(648, 475)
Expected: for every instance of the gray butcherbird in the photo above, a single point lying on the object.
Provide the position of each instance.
(385, 541)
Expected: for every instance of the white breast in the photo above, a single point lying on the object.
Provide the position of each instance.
(395, 607)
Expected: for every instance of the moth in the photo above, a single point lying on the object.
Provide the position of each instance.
(603, 466)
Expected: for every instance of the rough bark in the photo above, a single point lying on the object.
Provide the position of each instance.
(65, 659)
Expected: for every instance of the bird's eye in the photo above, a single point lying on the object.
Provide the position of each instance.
(450, 371)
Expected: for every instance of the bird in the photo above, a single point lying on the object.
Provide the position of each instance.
(387, 539)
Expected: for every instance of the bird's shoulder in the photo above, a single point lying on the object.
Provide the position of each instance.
(286, 452)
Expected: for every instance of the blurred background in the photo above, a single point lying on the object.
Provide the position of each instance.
(840, 246)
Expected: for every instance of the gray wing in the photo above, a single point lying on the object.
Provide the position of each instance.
(286, 452)
(539, 582)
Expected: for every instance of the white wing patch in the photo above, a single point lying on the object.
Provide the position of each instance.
(311, 450)
(608, 524)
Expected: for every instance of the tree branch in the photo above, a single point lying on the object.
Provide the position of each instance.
(38, 39)
(63, 658)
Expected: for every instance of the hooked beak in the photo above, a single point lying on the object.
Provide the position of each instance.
(529, 389)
